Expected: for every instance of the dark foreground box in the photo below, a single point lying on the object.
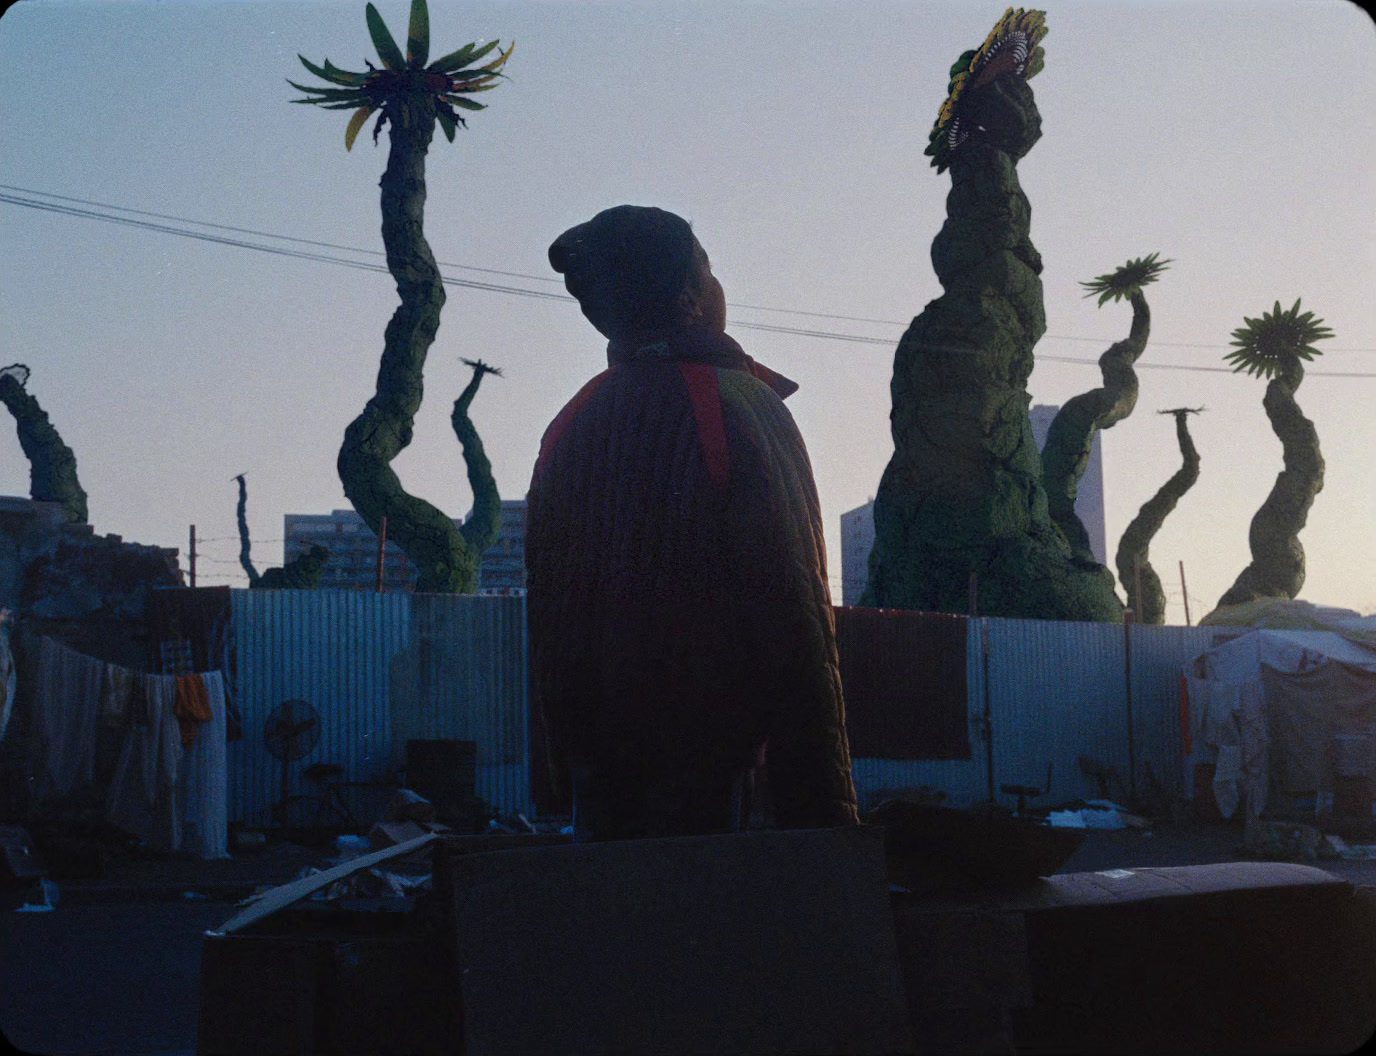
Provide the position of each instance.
(1242, 957)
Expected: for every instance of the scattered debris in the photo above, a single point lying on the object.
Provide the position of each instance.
(50, 894)
(313, 880)
(1281, 840)
(407, 805)
(1097, 814)
(391, 833)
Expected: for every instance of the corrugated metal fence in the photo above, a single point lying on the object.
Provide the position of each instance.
(453, 666)
(381, 668)
(1057, 691)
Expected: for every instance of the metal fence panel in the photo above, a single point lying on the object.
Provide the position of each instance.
(1158, 656)
(1057, 691)
(331, 648)
(467, 658)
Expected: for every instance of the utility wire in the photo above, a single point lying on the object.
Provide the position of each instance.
(93, 214)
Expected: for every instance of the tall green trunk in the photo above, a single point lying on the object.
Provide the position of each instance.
(1069, 441)
(426, 535)
(245, 546)
(482, 527)
(1277, 568)
(963, 491)
(1131, 558)
(52, 464)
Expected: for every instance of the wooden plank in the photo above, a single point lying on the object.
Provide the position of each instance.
(281, 897)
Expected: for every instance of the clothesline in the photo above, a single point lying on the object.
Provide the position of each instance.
(171, 765)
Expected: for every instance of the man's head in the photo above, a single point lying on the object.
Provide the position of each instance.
(639, 272)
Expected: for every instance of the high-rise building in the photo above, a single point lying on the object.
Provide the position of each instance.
(857, 525)
(353, 552)
(857, 540)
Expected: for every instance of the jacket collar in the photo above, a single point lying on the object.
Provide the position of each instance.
(700, 346)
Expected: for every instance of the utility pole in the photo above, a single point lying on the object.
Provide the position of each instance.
(974, 594)
(193, 555)
(1184, 593)
(381, 552)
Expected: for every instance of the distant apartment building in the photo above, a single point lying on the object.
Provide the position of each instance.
(857, 525)
(353, 552)
(857, 540)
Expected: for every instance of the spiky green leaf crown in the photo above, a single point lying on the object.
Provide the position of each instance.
(449, 79)
(1280, 338)
(1127, 280)
(1013, 46)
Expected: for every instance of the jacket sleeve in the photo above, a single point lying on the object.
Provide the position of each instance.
(778, 559)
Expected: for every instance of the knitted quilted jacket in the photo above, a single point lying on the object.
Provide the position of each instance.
(679, 612)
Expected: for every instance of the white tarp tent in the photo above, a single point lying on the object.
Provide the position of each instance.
(1284, 711)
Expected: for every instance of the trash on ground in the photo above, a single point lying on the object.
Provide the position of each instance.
(351, 846)
(1281, 840)
(391, 833)
(407, 805)
(50, 894)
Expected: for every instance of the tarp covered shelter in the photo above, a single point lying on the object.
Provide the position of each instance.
(1281, 711)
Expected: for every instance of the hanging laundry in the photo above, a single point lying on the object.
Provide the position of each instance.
(143, 797)
(176, 656)
(115, 691)
(206, 814)
(192, 706)
(7, 679)
(64, 710)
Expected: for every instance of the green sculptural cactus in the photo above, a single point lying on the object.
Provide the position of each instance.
(409, 97)
(480, 530)
(1070, 438)
(1134, 568)
(963, 491)
(1275, 346)
(52, 465)
(300, 573)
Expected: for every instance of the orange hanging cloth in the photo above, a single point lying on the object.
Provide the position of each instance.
(192, 706)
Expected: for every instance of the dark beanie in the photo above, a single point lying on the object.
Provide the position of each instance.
(627, 267)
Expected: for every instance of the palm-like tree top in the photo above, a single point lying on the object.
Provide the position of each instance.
(1127, 280)
(1280, 338)
(449, 79)
(1013, 46)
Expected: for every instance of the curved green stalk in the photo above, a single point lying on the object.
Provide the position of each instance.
(1070, 439)
(245, 561)
(1277, 566)
(52, 464)
(300, 573)
(484, 524)
(962, 493)
(409, 97)
(425, 534)
(1131, 558)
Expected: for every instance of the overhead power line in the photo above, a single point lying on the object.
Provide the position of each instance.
(88, 209)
